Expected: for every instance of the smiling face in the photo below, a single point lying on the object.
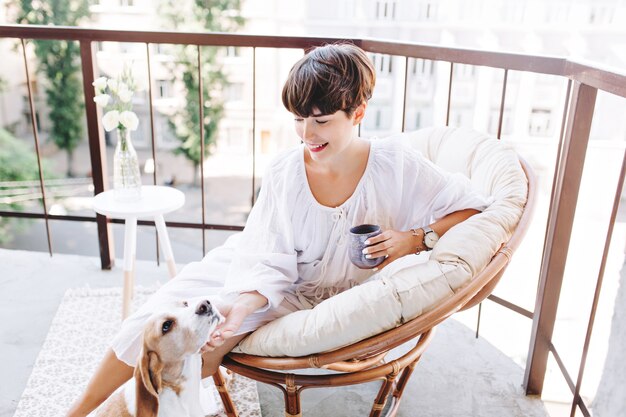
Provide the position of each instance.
(327, 91)
(326, 136)
(181, 331)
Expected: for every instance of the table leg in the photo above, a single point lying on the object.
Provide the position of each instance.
(165, 243)
(130, 244)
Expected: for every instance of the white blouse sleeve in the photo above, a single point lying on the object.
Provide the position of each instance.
(265, 258)
(442, 193)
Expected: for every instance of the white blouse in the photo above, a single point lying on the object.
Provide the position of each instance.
(296, 248)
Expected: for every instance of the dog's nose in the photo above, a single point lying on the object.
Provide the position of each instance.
(204, 308)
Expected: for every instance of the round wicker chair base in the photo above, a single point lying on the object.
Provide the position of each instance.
(395, 375)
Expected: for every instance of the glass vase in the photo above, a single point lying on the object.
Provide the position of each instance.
(126, 174)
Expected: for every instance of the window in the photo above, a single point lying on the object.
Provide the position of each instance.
(160, 49)
(266, 141)
(233, 92)
(464, 71)
(348, 10)
(27, 113)
(382, 63)
(237, 140)
(428, 11)
(163, 88)
(494, 120)
(163, 132)
(557, 13)
(233, 52)
(34, 87)
(540, 122)
(461, 116)
(512, 12)
(385, 10)
(601, 14)
(378, 118)
(417, 118)
(423, 67)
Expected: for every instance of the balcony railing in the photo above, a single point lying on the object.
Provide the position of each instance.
(583, 83)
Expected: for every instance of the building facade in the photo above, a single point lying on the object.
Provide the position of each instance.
(589, 30)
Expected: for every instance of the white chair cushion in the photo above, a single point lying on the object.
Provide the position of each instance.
(414, 284)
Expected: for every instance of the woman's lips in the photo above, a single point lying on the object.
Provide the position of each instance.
(317, 148)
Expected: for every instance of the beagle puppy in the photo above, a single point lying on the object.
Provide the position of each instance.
(167, 377)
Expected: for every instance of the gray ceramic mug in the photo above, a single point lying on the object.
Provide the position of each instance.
(358, 236)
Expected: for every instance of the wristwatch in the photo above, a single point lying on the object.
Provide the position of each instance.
(429, 240)
(430, 237)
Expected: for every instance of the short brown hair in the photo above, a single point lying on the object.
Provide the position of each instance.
(329, 78)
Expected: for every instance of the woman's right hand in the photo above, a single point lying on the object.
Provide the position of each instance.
(234, 315)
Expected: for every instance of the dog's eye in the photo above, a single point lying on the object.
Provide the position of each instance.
(167, 326)
(185, 304)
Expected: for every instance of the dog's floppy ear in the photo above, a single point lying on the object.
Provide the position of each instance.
(148, 384)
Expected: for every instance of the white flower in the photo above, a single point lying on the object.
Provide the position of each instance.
(112, 83)
(124, 93)
(100, 84)
(111, 120)
(102, 99)
(119, 95)
(129, 120)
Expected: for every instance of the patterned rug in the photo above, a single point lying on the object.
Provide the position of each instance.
(86, 321)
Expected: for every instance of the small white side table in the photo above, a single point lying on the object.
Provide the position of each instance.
(155, 202)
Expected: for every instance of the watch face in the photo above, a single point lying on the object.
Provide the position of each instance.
(430, 239)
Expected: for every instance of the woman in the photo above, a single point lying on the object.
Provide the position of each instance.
(292, 253)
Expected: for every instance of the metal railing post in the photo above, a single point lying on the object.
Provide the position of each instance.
(33, 120)
(97, 152)
(560, 220)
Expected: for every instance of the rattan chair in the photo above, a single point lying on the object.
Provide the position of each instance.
(364, 361)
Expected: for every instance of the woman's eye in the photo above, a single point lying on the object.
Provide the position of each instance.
(166, 326)
(321, 122)
(298, 120)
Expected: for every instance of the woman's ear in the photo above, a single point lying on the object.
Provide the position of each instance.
(359, 113)
(148, 384)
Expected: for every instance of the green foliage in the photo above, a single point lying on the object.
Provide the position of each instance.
(206, 15)
(185, 124)
(18, 162)
(59, 61)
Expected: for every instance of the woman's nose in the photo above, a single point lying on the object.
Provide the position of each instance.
(307, 131)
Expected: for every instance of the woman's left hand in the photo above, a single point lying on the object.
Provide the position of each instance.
(391, 243)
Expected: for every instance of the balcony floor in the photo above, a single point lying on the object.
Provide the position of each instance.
(459, 375)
